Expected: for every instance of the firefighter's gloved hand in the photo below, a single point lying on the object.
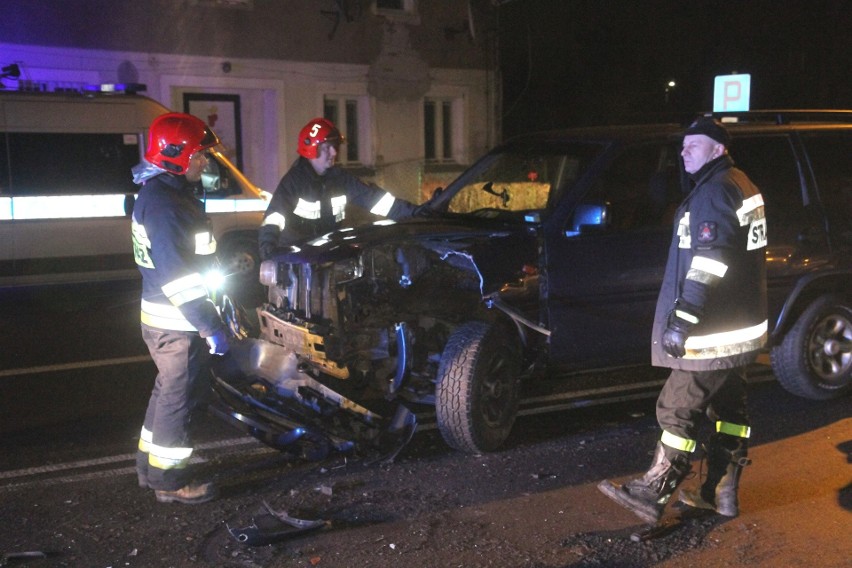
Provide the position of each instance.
(218, 343)
(674, 340)
(681, 320)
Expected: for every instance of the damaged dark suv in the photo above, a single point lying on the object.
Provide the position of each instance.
(544, 259)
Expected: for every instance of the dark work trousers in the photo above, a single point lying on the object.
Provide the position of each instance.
(181, 388)
(721, 395)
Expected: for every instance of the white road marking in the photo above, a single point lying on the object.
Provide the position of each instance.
(24, 474)
(74, 366)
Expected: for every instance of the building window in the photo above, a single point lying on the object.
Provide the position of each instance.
(343, 112)
(403, 10)
(439, 130)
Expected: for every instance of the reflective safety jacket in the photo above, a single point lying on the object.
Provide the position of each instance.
(716, 274)
(307, 205)
(174, 245)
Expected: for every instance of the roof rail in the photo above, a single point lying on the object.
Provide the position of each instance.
(784, 116)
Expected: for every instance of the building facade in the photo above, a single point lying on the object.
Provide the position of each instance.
(411, 83)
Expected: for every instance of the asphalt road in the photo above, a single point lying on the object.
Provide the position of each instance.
(75, 379)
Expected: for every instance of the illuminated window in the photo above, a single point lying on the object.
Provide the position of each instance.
(343, 112)
(440, 120)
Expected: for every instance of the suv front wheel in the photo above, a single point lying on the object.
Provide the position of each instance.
(476, 398)
(815, 358)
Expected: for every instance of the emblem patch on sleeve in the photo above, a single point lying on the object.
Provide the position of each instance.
(706, 232)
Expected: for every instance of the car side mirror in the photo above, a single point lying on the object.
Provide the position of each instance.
(588, 218)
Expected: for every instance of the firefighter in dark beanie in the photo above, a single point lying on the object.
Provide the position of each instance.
(710, 323)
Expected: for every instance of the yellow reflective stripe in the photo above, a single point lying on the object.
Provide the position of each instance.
(168, 458)
(686, 316)
(678, 443)
(726, 343)
(164, 316)
(338, 207)
(185, 289)
(141, 245)
(731, 429)
(276, 219)
(205, 243)
(384, 205)
(307, 209)
(145, 439)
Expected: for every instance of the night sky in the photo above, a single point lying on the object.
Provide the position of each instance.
(575, 62)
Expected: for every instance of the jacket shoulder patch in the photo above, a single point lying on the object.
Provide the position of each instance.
(706, 232)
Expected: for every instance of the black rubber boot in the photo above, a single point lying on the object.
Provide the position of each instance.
(647, 496)
(726, 457)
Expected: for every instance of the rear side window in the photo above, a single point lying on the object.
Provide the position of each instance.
(831, 159)
(641, 187)
(770, 163)
(69, 164)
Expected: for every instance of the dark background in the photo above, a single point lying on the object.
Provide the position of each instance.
(578, 62)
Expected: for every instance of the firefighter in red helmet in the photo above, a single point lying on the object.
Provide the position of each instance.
(173, 246)
(312, 196)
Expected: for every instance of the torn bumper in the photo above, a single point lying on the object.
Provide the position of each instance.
(261, 390)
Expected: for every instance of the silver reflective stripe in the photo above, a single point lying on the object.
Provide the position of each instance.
(338, 207)
(384, 205)
(751, 209)
(706, 270)
(726, 343)
(684, 240)
(164, 316)
(276, 219)
(185, 289)
(307, 209)
(205, 243)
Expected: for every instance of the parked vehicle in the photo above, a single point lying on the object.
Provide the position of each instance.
(66, 191)
(545, 259)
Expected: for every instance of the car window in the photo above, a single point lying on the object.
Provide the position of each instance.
(769, 162)
(640, 188)
(71, 164)
(520, 180)
(830, 158)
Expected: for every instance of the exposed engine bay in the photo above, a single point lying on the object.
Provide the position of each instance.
(351, 341)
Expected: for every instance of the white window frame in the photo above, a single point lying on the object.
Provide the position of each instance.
(363, 120)
(408, 13)
(458, 140)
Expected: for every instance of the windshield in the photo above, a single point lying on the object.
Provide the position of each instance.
(520, 179)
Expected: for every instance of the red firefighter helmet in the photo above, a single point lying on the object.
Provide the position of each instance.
(316, 132)
(174, 137)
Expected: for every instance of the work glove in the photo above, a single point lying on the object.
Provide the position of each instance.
(681, 320)
(218, 343)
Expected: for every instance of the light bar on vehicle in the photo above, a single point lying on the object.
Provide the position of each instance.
(129, 88)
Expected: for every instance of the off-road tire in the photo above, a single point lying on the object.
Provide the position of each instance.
(814, 360)
(476, 397)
